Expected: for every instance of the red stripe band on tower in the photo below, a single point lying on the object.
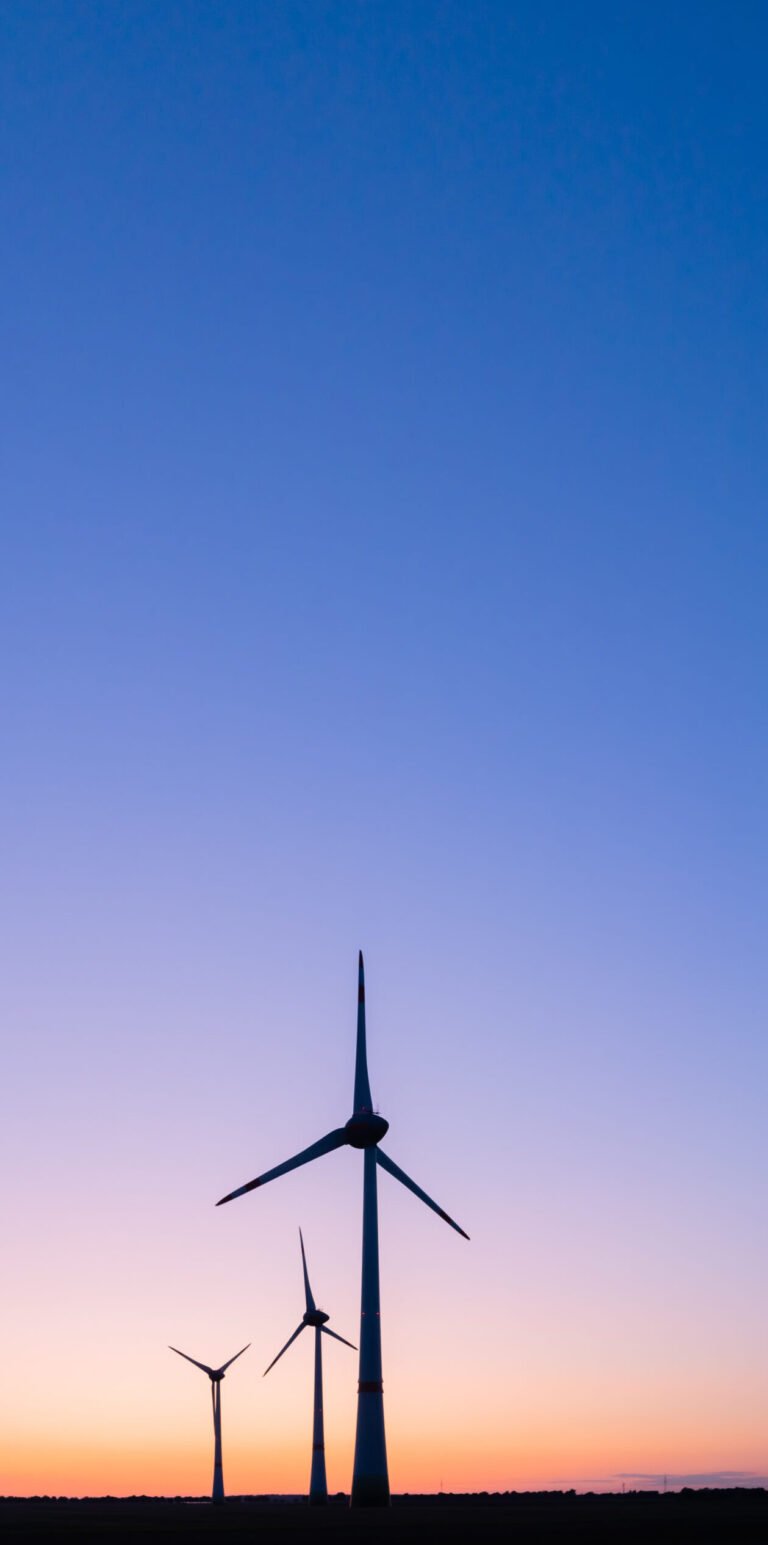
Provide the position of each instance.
(370, 1387)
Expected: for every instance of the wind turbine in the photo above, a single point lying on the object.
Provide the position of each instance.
(318, 1486)
(365, 1129)
(215, 1375)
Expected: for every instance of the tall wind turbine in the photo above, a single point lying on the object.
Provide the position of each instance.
(215, 1375)
(318, 1486)
(365, 1129)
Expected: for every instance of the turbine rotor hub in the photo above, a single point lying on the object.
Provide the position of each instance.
(315, 1317)
(365, 1129)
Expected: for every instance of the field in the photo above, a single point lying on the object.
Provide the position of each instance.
(691, 1516)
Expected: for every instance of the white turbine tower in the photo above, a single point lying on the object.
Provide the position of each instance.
(365, 1129)
(215, 1375)
(314, 1317)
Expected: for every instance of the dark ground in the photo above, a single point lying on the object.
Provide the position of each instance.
(695, 1517)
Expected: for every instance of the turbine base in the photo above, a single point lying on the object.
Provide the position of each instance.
(370, 1491)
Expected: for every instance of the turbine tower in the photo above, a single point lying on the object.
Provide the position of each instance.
(215, 1375)
(318, 1486)
(364, 1129)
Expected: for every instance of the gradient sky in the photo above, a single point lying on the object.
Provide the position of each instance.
(383, 564)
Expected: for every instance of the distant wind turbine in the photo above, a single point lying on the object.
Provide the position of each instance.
(365, 1129)
(215, 1375)
(318, 1486)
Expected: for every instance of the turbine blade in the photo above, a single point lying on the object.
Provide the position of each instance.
(204, 1366)
(405, 1180)
(362, 1100)
(232, 1360)
(335, 1139)
(296, 1333)
(311, 1305)
(336, 1337)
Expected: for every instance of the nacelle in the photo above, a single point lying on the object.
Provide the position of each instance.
(365, 1130)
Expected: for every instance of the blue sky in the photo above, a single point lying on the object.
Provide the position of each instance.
(383, 564)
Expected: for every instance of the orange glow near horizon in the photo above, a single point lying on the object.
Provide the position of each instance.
(183, 1468)
(444, 1430)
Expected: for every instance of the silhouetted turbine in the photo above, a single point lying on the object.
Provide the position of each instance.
(365, 1129)
(314, 1317)
(215, 1375)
